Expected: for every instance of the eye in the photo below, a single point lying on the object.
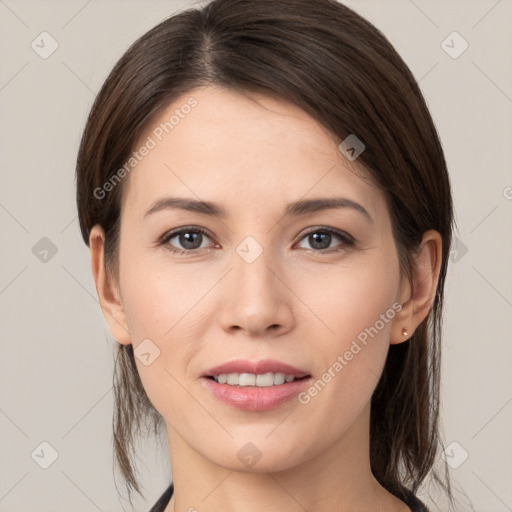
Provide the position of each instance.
(189, 238)
(321, 238)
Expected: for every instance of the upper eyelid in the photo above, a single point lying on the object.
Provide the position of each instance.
(173, 232)
(339, 232)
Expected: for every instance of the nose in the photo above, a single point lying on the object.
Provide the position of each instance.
(256, 300)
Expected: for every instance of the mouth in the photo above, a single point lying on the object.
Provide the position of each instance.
(255, 385)
(262, 373)
(251, 379)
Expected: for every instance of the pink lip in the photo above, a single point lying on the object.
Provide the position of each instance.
(255, 398)
(257, 367)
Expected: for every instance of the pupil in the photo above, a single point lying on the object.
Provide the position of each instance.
(188, 240)
(326, 240)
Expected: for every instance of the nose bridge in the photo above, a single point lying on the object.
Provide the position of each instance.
(252, 270)
(255, 297)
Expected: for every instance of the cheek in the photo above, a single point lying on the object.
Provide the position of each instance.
(156, 305)
(347, 300)
(351, 331)
(156, 297)
(162, 304)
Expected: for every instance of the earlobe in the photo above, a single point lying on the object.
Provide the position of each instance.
(401, 328)
(108, 293)
(418, 296)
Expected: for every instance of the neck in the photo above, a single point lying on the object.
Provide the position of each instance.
(338, 478)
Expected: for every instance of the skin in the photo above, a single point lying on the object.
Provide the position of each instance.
(292, 304)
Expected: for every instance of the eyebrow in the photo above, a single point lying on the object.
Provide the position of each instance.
(295, 209)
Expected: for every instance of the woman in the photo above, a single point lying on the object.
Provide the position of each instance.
(269, 215)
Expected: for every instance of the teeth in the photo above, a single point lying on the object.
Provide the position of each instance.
(250, 379)
(232, 379)
(247, 379)
(263, 381)
(279, 378)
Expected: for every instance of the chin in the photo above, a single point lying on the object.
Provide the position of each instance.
(258, 457)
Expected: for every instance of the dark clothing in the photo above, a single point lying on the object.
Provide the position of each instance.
(163, 501)
(412, 502)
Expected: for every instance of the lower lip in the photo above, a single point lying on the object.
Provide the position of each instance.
(254, 398)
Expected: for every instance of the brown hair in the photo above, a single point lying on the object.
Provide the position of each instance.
(341, 70)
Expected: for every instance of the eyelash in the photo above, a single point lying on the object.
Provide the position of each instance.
(347, 240)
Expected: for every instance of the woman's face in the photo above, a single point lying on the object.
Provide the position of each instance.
(314, 289)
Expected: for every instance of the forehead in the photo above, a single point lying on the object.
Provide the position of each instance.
(257, 145)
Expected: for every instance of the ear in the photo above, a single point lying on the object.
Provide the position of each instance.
(417, 299)
(107, 289)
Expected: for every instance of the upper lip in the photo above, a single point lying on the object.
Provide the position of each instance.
(256, 367)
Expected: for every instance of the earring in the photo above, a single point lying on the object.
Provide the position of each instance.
(405, 332)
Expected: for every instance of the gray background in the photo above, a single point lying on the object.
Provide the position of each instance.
(56, 362)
